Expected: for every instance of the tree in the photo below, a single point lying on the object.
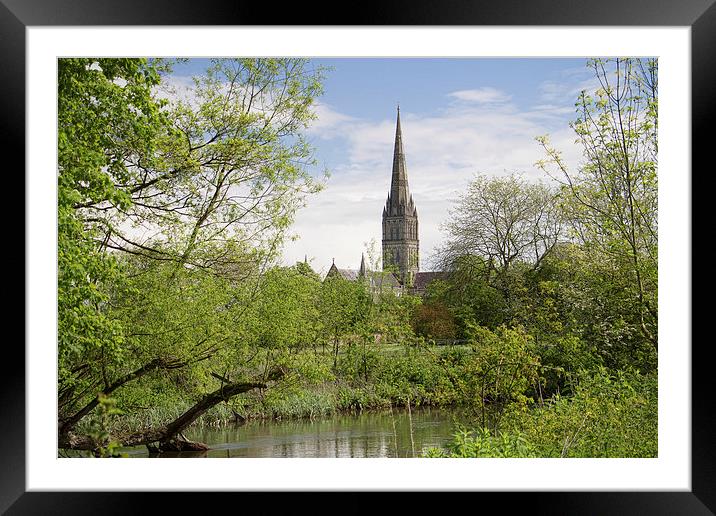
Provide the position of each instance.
(342, 306)
(285, 314)
(105, 108)
(496, 228)
(434, 320)
(503, 220)
(470, 292)
(228, 173)
(502, 368)
(179, 206)
(611, 200)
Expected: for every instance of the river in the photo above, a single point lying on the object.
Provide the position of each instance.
(396, 433)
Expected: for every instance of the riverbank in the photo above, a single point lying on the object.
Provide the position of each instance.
(602, 415)
(396, 433)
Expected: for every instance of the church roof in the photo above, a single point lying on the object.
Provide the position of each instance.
(421, 279)
(384, 279)
(377, 279)
(348, 274)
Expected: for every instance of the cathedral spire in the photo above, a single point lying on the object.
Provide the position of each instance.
(361, 272)
(399, 195)
(400, 218)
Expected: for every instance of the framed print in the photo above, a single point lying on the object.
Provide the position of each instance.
(648, 453)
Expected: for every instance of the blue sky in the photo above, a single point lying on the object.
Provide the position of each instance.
(459, 117)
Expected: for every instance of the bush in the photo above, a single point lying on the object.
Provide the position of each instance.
(502, 369)
(481, 443)
(434, 320)
(609, 415)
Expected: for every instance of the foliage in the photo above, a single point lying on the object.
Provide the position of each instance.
(500, 371)
(593, 301)
(434, 320)
(105, 110)
(170, 206)
(342, 306)
(106, 446)
(607, 415)
(470, 295)
(229, 174)
(611, 201)
(481, 443)
(285, 312)
(502, 220)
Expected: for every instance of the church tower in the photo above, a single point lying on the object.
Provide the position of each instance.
(400, 220)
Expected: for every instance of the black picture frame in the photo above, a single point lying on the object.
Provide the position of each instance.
(699, 15)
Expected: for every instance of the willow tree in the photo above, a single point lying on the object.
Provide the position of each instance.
(202, 184)
(611, 199)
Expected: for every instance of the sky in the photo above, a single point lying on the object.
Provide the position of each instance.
(459, 117)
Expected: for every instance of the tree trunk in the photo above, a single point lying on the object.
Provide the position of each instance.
(335, 353)
(177, 444)
(166, 436)
(159, 363)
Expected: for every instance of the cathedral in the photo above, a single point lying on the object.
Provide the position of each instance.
(401, 242)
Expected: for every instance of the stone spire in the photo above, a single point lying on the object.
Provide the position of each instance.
(400, 218)
(399, 200)
(361, 272)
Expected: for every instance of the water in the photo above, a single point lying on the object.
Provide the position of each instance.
(396, 433)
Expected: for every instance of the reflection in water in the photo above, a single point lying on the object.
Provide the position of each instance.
(396, 433)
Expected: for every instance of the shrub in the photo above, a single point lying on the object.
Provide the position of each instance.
(609, 415)
(482, 443)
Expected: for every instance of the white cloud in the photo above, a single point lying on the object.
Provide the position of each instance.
(177, 88)
(565, 92)
(443, 152)
(484, 95)
(328, 120)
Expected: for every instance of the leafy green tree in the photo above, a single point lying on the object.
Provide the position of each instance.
(500, 228)
(343, 305)
(501, 371)
(194, 194)
(434, 320)
(227, 179)
(285, 313)
(611, 200)
(592, 300)
(469, 293)
(105, 110)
